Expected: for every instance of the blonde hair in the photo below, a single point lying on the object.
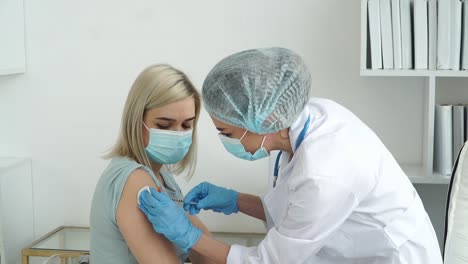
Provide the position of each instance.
(156, 86)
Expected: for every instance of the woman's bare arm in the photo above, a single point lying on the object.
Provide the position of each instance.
(146, 245)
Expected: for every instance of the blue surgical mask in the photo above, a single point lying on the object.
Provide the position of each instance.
(167, 146)
(235, 147)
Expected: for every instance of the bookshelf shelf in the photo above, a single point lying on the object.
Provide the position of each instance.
(414, 73)
(429, 180)
(417, 175)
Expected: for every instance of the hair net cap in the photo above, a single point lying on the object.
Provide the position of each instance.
(261, 90)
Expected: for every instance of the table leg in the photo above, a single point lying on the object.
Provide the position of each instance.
(63, 260)
(24, 259)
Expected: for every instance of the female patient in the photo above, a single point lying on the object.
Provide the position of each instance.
(157, 140)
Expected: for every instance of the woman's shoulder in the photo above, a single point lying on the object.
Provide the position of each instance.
(121, 161)
(121, 165)
(121, 171)
(117, 172)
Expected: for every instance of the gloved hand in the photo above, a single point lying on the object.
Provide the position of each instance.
(208, 196)
(169, 219)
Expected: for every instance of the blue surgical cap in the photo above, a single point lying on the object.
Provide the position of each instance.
(261, 90)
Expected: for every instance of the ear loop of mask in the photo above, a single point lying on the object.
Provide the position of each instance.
(263, 141)
(145, 126)
(245, 133)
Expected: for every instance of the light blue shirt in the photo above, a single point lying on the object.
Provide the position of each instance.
(108, 246)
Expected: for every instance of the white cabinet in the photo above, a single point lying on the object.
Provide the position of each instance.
(16, 208)
(12, 41)
(421, 173)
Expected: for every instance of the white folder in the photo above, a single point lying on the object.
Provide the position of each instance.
(396, 27)
(443, 35)
(455, 34)
(458, 128)
(432, 20)
(373, 7)
(406, 34)
(443, 154)
(420, 35)
(465, 39)
(387, 34)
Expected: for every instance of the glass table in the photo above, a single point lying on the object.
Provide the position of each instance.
(73, 242)
(65, 241)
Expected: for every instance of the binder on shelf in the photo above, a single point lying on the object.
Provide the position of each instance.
(420, 35)
(443, 35)
(455, 34)
(443, 153)
(458, 128)
(465, 36)
(432, 21)
(396, 27)
(466, 123)
(387, 34)
(406, 34)
(373, 8)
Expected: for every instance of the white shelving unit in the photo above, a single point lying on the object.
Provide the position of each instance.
(418, 173)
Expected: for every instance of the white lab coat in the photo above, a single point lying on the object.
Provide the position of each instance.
(342, 198)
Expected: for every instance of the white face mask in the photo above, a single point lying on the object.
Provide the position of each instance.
(167, 146)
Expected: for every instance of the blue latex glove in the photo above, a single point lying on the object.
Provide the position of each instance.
(211, 197)
(169, 219)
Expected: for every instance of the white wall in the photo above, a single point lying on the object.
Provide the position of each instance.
(82, 57)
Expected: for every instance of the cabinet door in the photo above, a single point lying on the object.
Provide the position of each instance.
(12, 46)
(16, 208)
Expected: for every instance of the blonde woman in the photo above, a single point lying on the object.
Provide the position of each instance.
(157, 140)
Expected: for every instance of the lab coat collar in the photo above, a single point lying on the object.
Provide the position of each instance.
(298, 125)
(317, 117)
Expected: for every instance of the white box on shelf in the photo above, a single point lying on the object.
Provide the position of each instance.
(16, 208)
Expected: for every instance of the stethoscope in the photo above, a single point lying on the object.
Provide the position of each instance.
(298, 143)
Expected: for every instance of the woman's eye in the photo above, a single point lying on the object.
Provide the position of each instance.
(187, 126)
(226, 135)
(162, 127)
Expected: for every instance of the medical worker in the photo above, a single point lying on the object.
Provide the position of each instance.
(339, 195)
